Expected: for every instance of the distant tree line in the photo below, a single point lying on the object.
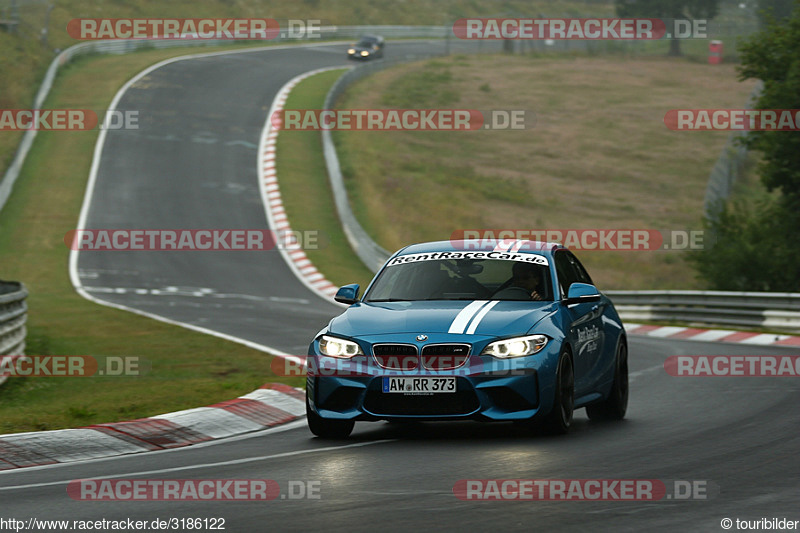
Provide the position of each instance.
(757, 238)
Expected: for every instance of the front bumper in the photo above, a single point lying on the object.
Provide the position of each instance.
(487, 389)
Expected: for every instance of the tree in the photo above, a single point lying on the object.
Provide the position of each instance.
(668, 10)
(752, 248)
(779, 10)
(756, 240)
(773, 56)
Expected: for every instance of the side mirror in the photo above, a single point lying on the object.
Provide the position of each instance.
(347, 294)
(579, 293)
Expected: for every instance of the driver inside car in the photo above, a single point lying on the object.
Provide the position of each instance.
(526, 283)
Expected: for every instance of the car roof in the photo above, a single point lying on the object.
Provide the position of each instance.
(481, 245)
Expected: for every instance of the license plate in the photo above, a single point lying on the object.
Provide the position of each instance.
(419, 385)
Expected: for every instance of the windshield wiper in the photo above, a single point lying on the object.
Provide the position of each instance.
(389, 300)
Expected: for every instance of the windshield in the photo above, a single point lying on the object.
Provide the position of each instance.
(462, 279)
(367, 42)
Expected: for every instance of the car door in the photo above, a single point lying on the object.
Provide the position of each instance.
(585, 323)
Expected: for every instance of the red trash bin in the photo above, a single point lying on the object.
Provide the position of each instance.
(715, 52)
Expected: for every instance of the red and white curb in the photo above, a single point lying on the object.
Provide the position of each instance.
(271, 195)
(271, 405)
(712, 335)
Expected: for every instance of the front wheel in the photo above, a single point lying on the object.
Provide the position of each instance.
(558, 421)
(616, 405)
(327, 429)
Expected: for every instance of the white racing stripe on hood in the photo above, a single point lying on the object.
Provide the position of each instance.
(480, 315)
(465, 315)
(503, 245)
(517, 246)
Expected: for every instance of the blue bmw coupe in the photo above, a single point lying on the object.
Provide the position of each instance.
(485, 330)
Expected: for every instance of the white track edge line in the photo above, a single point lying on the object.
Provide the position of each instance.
(87, 201)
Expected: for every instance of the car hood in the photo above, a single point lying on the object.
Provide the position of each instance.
(479, 317)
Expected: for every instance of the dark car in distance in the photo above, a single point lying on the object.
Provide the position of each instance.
(367, 47)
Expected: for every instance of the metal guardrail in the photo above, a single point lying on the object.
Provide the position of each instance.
(370, 252)
(729, 166)
(777, 311)
(13, 314)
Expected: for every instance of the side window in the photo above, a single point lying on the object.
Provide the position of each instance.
(580, 272)
(565, 271)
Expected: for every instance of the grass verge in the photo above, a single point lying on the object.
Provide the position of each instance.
(599, 155)
(189, 369)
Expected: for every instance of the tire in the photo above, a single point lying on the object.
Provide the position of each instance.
(558, 421)
(616, 405)
(327, 429)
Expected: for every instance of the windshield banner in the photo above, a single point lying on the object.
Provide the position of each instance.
(438, 256)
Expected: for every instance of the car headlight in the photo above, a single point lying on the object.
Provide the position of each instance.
(335, 347)
(364, 53)
(516, 347)
(351, 51)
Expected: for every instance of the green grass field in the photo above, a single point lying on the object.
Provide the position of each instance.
(598, 156)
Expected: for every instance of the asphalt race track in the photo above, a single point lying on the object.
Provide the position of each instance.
(192, 164)
(737, 434)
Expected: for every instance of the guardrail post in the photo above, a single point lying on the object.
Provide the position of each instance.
(13, 315)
